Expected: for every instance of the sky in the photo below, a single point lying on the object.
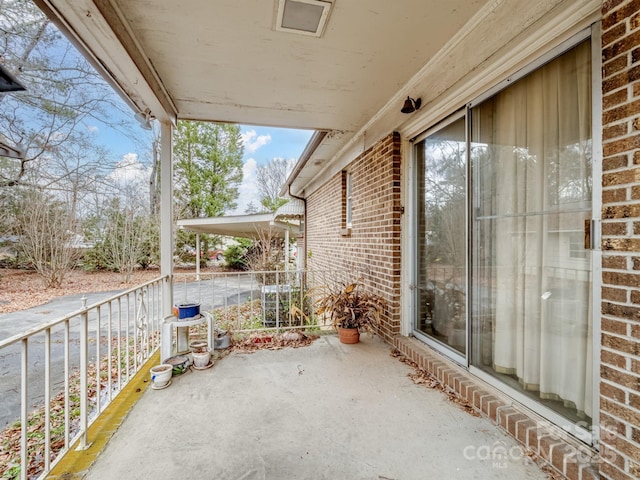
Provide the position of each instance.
(261, 144)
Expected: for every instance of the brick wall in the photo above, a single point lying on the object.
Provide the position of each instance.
(372, 248)
(620, 353)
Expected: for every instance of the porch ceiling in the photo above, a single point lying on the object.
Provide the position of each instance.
(225, 61)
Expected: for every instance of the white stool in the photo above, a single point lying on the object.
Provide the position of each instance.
(182, 334)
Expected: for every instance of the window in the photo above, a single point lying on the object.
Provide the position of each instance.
(442, 245)
(347, 201)
(576, 245)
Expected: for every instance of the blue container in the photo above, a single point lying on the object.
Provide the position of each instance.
(188, 310)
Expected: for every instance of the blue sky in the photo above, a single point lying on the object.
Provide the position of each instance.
(261, 144)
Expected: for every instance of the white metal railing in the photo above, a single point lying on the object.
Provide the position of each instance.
(257, 300)
(62, 374)
(249, 300)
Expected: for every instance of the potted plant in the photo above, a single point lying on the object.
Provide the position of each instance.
(350, 308)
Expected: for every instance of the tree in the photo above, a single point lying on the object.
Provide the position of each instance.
(208, 168)
(45, 231)
(125, 238)
(208, 171)
(64, 92)
(270, 178)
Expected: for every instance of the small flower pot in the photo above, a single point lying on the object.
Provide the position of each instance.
(199, 346)
(348, 336)
(201, 359)
(180, 364)
(188, 310)
(161, 374)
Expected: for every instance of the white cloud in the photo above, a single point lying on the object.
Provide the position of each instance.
(92, 128)
(247, 189)
(129, 175)
(252, 141)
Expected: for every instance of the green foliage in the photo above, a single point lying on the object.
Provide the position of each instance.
(208, 168)
(271, 205)
(235, 256)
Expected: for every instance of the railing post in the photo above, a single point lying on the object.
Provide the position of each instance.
(24, 411)
(47, 400)
(84, 374)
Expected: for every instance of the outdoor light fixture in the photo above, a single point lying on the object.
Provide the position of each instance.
(411, 105)
(144, 119)
(8, 82)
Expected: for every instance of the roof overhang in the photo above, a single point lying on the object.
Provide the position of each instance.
(228, 61)
(245, 226)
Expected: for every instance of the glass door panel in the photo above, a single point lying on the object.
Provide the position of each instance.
(442, 245)
(531, 274)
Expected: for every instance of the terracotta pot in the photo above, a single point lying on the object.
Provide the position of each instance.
(348, 335)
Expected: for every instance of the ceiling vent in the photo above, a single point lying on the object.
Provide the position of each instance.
(305, 17)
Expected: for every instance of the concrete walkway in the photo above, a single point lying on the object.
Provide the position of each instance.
(328, 411)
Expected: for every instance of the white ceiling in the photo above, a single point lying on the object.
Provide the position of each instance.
(223, 60)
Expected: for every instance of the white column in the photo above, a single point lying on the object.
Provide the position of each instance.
(166, 215)
(198, 256)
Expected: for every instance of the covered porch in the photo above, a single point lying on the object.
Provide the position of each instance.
(356, 73)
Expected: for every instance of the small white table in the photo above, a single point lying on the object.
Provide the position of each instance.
(182, 334)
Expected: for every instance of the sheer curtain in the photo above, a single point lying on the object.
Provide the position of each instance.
(532, 165)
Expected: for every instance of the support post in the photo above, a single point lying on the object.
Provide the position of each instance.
(166, 216)
(287, 252)
(198, 256)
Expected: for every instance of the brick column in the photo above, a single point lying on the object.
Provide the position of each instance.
(620, 352)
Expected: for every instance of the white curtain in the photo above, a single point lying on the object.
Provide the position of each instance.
(538, 138)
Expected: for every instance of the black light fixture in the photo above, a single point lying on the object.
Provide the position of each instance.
(411, 105)
(8, 82)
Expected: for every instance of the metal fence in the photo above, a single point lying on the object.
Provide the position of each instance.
(254, 301)
(59, 376)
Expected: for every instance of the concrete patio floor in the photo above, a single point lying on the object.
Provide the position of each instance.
(327, 411)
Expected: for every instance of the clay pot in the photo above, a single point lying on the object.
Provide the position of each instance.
(348, 335)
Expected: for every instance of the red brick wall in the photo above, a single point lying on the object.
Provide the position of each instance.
(372, 248)
(620, 353)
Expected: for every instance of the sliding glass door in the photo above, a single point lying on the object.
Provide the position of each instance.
(442, 245)
(531, 157)
(501, 259)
